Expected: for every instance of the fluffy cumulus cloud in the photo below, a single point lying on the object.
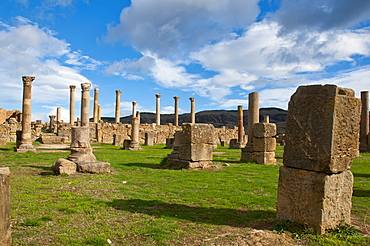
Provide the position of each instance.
(27, 49)
(297, 44)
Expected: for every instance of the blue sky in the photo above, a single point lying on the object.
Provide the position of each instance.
(215, 51)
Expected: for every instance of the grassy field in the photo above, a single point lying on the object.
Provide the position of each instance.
(141, 203)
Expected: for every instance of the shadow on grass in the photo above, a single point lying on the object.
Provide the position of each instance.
(361, 193)
(146, 165)
(363, 175)
(214, 216)
(48, 169)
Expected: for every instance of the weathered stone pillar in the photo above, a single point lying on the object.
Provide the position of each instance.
(176, 121)
(135, 137)
(26, 140)
(99, 113)
(52, 122)
(241, 132)
(149, 138)
(264, 142)
(133, 109)
(364, 123)
(253, 117)
(78, 121)
(85, 104)
(5, 230)
(192, 110)
(315, 186)
(118, 105)
(96, 105)
(81, 150)
(72, 89)
(59, 114)
(158, 109)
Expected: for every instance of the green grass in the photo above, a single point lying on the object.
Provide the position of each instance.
(141, 203)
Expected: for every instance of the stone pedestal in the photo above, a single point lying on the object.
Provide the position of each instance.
(192, 147)
(320, 200)
(149, 139)
(5, 230)
(117, 139)
(81, 150)
(321, 141)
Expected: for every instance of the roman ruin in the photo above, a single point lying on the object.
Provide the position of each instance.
(264, 142)
(158, 109)
(85, 104)
(364, 123)
(253, 117)
(72, 89)
(118, 105)
(25, 143)
(176, 113)
(192, 147)
(240, 142)
(192, 110)
(315, 183)
(96, 106)
(134, 143)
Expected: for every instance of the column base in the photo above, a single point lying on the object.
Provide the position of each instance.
(22, 148)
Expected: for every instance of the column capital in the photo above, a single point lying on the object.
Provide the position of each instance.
(72, 87)
(27, 80)
(191, 99)
(52, 117)
(118, 92)
(158, 95)
(176, 98)
(85, 86)
(96, 89)
(240, 107)
(134, 103)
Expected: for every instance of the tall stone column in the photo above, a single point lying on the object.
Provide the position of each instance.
(253, 114)
(135, 134)
(5, 229)
(253, 118)
(158, 109)
(85, 104)
(133, 109)
(96, 105)
(364, 123)
(192, 110)
(99, 113)
(118, 105)
(241, 132)
(26, 140)
(59, 114)
(72, 89)
(176, 121)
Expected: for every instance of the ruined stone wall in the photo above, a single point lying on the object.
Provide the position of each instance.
(6, 114)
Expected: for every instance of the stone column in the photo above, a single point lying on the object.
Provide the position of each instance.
(253, 118)
(5, 233)
(176, 121)
(315, 184)
(96, 105)
(26, 140)
(59, 114)
(99, 113)
(72, 89)
(118, 105)
(85, 104)
(253, 114)
(135, 137)
(158, 109)
(192, 110)
(364, 123)
(241, 132)
(133, 109)
(81, 150)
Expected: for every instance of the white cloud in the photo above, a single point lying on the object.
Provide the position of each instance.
(174, 28)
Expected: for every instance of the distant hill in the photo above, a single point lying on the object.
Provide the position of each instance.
(218, 118)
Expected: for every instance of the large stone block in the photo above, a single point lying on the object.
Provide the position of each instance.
(5, 233)
(264, 130)
(322, 131)
(183, 164)
(196, 152)
(322, 201)
(264, 144)
(63, 166)
(93, 167)
(197, 133)
(267, 158)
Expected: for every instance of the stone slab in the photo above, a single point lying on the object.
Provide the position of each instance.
(322, 130)
(183, 164)
(264, 144)
(197, 133)
(196, 152)
(267, 158)
(63, 166)
(264, 130)
(322, 201)
(93, 167)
